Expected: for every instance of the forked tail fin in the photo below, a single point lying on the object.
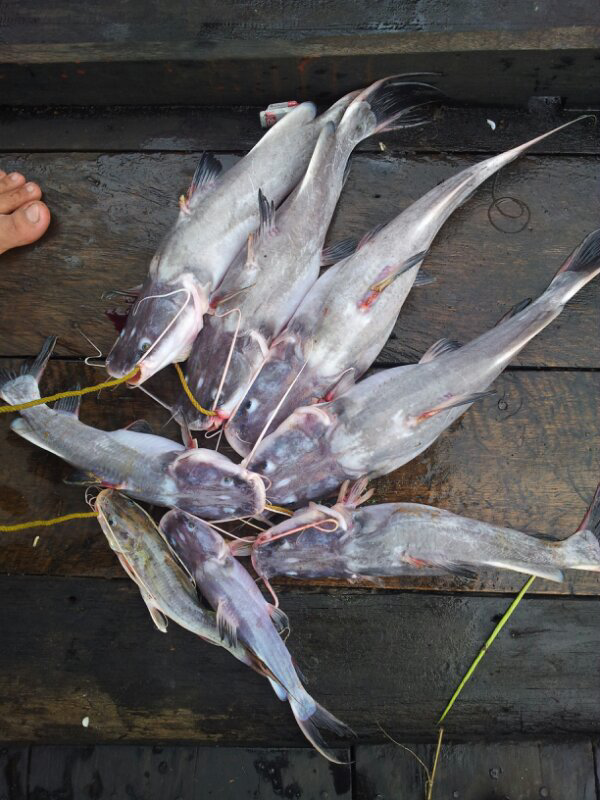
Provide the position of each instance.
(580, 267)
(23, 387)
(582, 549)
(321, 718)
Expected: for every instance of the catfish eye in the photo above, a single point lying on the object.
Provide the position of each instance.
(111, 520)
(250, 404)
(145, 346)
(227, 481)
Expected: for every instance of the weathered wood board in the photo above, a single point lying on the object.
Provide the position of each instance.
(527, 457)
(110, 211)
(246, 52)
(523, 771)
(123, 772)
(177, 129)
(83, 647)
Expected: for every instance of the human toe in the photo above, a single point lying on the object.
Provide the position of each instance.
(15, 198)
(23, 226)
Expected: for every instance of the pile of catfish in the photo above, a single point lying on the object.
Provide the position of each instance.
(275, 354)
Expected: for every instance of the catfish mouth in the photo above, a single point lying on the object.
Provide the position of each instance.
(160, 330)
(210, 485)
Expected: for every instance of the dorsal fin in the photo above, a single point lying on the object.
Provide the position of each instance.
(139, 426)
(438, 349)
(266, 210)
(338, 251)
(515, 310)
(69, 405)
(205, 177)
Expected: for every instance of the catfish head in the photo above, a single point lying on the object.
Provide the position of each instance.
(208, 484)
(123, 521)
(297, 459)
(277, 381)
(192, 539)
(160, 328)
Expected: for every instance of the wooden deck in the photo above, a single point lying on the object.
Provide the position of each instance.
(77, 640)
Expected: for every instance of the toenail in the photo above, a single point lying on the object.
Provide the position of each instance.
(32, 213)
(30, 187)
(14, 176)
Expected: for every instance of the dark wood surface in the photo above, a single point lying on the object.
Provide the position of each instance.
(86, 647)
(224, 130)
(225, 53)
(110, 211)
(523, 771)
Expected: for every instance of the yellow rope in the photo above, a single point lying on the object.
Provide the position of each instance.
(487, 645)
(279, 509)
(191, 397)
(72, 393)
(45, 523)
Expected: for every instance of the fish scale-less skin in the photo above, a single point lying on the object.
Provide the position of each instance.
(145, 466)
(196, 253)
(132, 534)
(283, 259)
(388, 419)
(334, 335)
(391, 539)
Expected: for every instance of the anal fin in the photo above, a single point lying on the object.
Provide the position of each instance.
(226, 626)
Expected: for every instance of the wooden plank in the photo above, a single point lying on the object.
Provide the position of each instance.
(110, 211)
(14, 765)
(81, 647)
(523, 771)
(181, 129)
(171, 772)
(496, 68)
(527, 458)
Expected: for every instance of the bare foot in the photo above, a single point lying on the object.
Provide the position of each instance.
(23, 218)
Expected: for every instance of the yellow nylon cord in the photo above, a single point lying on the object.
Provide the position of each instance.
(279, 509)
(72, 393)
(487, 645)
(190, 396)
(46, 523)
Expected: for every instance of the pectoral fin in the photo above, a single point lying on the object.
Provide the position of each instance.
(279, 619)
(387, 276)
(158, 618)
(455, 401)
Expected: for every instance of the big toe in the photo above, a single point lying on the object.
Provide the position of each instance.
(23, 226)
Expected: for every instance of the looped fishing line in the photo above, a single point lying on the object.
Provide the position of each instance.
(72, 393)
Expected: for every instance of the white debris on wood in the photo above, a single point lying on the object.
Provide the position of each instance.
(491, 123)
(382, 147)
(36, 541)
(85, 722)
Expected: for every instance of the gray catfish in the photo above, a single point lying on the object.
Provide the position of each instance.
(346, 318)
(389, 418)
(143, 465)
(213, 225)
(407, 538)
(284, 256)
(168, 591)
(243, 615)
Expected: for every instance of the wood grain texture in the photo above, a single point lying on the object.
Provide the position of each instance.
(526, 458)
(81, 647)
(491, 68)
(123, 772)
(223, 130)
(523, 771)
(110, 211)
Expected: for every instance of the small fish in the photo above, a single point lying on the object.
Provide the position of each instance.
(389, 418)
(244, 616)
(284, 256)
(346, 318)
(217, 216)
(167, 589)
(407, 538)
(139, 463)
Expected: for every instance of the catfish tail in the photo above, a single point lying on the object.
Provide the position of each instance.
(582, 549)
(23, 387)
(320, 718)
(580, 267)
(388, 104)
